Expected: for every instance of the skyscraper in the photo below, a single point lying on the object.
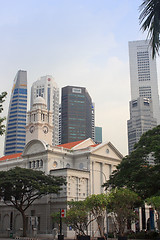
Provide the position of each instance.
(16, 120)
(144, 105)
(98, 135)
(143, 74)
(47, 88)
(141, 120)
(76, 114)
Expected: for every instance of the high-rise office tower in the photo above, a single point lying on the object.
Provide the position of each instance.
(47, 88)
(144, 105)
(141, 120)
(143, 74)
(76, 114)
(16, 120)
(98, 135)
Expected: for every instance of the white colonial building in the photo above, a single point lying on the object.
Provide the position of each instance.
(85, 165)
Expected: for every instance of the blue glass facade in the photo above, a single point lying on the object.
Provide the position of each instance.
(16, 120)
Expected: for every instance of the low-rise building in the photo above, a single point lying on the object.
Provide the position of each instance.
(85, 165)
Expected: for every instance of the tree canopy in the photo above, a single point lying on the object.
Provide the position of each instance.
(121, 205)
(150, 21)
(2, 99)
(135, 170)
(20, 187)
(97, 207)
(77, 217)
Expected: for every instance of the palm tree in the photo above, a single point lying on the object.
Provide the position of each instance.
(150, 20)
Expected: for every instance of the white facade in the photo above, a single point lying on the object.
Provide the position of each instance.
(143, 74)
(39, 122)
(47, 88)
(84, 164)
(86, 167)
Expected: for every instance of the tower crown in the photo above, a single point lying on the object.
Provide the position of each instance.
(39, 100)
(39, 103)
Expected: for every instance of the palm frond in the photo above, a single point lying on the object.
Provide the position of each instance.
(150, 21)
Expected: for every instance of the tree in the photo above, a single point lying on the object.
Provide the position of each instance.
(135, 170)
(150, 20)
(155, 203)
(97, 206)
(2, 99)
(77, 217)
(20, 187)
(121, 205)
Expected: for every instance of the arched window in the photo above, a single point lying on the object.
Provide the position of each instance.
(37, 163)
(68, 165)
(41, 163)
(33, 164)
(30, 164)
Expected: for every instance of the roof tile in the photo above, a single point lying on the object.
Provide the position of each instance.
(15, 155)
(70, 145)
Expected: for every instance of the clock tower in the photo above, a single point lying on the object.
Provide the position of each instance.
(39, 122)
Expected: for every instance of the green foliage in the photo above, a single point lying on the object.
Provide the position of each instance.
(77, 217)
(97, 206)
(121, 205)
(135, 172)
(20, 187)
(150, 21)
(56, 217)
(26, 185)
(93, 206)
(148, 145)
(2, 99)
(155, 202)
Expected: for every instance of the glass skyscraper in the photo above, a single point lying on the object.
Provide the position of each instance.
(76, 114)
(16, 121)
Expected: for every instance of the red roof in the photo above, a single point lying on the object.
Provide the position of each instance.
(95, 145)
(15, 155)
(65, 145)
(70, 145)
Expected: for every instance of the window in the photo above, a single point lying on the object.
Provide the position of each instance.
(67, 165)
(41, 163)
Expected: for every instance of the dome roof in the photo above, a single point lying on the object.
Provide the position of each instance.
(39, 100)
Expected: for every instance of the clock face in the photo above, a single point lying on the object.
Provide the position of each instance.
(45, 129)
(31, 129)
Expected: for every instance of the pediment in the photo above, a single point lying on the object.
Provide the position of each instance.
(84, 144)
(34, 146)
(107, 150)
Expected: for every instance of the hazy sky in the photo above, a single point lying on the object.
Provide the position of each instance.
(79, 42)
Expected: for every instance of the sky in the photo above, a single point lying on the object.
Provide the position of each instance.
(80, 43)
